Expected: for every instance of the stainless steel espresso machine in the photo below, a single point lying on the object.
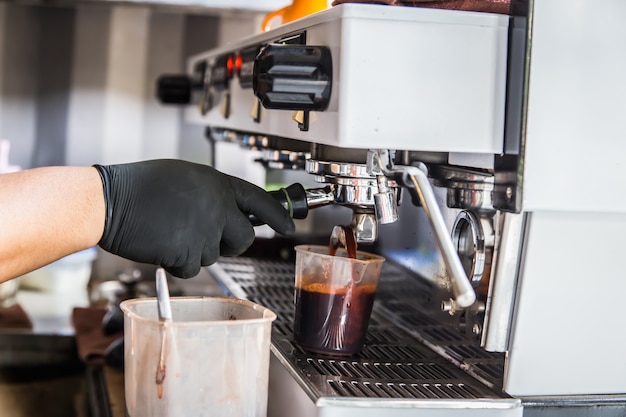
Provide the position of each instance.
(482, 155)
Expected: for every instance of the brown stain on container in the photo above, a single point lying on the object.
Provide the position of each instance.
(161, 370)
(160, 376)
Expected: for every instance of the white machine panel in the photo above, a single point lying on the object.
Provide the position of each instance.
(575, 143)
(568, 336)
(438, 75)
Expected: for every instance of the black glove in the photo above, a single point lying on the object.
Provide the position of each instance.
(182, 215)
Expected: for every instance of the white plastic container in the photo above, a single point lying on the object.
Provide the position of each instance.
(215, 357)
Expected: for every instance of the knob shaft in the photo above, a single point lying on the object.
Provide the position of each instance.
(174, 89)
(293, 77)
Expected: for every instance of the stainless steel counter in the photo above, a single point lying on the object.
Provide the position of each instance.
(396, 371)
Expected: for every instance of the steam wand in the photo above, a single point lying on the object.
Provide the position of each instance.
(416, 180)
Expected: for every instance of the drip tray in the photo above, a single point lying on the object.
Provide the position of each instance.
(397, 367)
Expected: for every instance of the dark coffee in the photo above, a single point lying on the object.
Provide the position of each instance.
(332, 321)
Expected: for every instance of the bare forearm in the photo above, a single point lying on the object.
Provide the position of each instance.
(48, 213)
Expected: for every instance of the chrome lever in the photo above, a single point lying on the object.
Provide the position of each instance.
(416, 180)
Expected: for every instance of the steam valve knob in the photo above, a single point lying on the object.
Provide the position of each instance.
(293, 77)
(174, 89)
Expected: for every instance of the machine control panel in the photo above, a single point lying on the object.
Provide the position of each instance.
(311, 80)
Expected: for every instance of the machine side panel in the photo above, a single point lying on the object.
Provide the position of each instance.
(568, 336)
(575, 142)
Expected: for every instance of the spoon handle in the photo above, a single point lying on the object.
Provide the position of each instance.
(163, 296)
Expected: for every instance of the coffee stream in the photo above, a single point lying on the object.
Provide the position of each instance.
(348, 241)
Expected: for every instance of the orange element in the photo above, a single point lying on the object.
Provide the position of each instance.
(296, 10)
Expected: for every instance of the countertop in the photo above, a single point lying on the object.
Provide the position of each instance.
(50, 311)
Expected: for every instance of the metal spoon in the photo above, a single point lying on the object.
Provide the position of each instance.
(163, 296)
(165, 315)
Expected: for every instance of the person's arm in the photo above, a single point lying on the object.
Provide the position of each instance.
(46, 214)
(171, 213)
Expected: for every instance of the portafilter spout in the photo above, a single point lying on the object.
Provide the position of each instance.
(364, 223)
(384, 199)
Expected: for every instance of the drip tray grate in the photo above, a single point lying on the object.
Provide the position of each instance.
(394, 363)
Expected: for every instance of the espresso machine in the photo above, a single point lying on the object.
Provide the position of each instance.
(480, 153)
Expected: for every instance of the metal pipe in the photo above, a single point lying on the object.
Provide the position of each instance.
(461, 286)
(416, 180)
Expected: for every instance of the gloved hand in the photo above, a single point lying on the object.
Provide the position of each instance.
(182, 215)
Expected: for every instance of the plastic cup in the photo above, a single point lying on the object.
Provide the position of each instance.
(334, 296)
(212, 359)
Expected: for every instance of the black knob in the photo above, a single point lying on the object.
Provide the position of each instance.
(174, 89)
(293, 199)
(293, 77)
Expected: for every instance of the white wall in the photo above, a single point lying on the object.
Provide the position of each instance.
(52, 76)
(109, 57)
(18, 80)
(165, 55)
(85, 131)
(124, 88)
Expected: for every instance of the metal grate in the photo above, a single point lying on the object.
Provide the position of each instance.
(458, 391)
(395, 361)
